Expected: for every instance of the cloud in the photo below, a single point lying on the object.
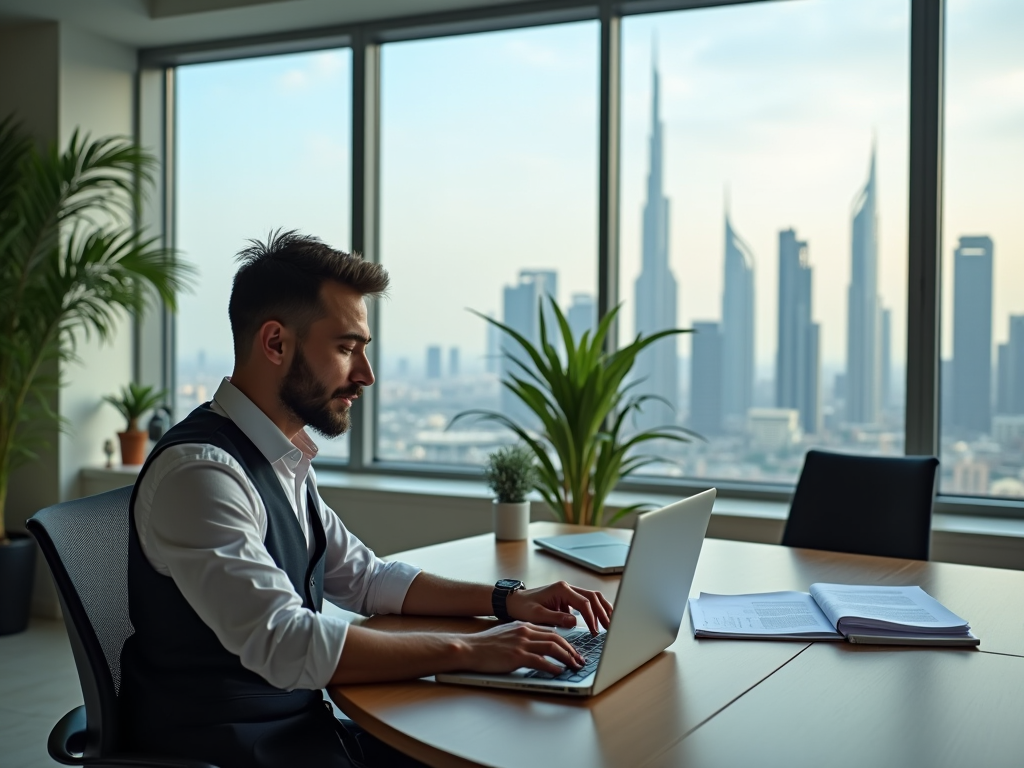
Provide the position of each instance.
(314, 69)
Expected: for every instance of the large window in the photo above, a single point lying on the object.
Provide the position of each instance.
(764, 204)
(983, 251)
(261, 144)
(759, 190)
(488, 202)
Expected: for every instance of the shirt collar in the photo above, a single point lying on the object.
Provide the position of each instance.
(258, 427)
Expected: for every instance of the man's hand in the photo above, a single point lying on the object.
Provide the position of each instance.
(552, 605)
(510, 646)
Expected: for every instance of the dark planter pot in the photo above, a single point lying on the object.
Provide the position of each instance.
(17, 572)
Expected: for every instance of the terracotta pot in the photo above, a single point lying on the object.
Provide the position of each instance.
(133, 447)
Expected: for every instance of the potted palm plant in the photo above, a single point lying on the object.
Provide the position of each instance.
(582, 403)
(133, 401)
(72, 265)
(510, 473)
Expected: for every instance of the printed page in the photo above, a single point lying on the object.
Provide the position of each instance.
(848, 607)
(768, 615)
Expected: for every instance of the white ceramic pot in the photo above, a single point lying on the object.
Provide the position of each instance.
(511, 520)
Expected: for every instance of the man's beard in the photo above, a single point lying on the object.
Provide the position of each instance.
(306, 397)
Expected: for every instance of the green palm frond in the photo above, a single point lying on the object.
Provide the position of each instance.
(72, 266)
(581, 404)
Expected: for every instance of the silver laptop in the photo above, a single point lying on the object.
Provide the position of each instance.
(648, 609)
(599, 551)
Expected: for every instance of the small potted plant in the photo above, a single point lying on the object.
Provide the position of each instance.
(134, 401)
(511, 474)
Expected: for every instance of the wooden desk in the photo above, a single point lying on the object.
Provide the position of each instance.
(661, 713)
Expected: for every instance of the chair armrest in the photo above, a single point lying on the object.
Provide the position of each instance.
(67, 738)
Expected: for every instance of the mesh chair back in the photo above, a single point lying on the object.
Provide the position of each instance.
(868, 505)
(85, 543)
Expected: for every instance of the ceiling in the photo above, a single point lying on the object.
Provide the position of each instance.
(158, 23)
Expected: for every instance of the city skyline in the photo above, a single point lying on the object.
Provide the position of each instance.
(497, 173)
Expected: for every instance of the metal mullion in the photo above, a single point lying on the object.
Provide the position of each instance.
(924, 227)
(366, 223)
(608, 168)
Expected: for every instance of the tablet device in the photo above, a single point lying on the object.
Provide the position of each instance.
(599, 552)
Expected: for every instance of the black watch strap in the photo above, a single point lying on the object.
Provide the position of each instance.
(499, 597)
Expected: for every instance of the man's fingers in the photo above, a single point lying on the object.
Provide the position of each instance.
(582, 604)
(565, 654)
(555, 618)
(598, 604)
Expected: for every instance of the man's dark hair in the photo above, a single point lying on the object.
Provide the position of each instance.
(281, 281)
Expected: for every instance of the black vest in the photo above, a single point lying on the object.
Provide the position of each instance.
(175, 672)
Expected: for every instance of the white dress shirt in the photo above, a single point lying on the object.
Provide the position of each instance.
(201, 521)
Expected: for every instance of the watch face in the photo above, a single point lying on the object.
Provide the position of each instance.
(509, 584)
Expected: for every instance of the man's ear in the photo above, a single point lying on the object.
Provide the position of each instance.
(274, 341)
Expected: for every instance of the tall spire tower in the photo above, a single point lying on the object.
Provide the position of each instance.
(737, 328)
(655, 289)
(863, 347)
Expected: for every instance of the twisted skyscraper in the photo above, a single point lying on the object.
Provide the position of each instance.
(863, 331)
(656, 292)
(737, 330)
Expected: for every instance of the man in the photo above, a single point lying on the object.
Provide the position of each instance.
(232, 550)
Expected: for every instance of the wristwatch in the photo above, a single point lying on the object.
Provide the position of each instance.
(502, 590)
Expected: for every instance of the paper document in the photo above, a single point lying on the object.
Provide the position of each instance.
(780, 615)
(860, 614)
(881, 610)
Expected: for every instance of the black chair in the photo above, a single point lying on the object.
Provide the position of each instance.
(866, 505)
(85, 543)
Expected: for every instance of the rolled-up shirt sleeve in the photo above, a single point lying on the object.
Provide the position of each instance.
(205, 530)
(356, 579)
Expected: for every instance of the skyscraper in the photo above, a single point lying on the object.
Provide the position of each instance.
(796, 363)
(706, 392)
(972, 336)
(433, 362)
(737, 378)
(582, 315)
(656, 291)
(1010, 381)
(886, 346)
(863, 348)
(453, 363)
(521, 303)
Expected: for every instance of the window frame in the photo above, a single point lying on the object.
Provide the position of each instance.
(154, 336)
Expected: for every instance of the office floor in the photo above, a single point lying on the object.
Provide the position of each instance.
(38, 685)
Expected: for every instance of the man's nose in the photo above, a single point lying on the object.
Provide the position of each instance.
(363, 375)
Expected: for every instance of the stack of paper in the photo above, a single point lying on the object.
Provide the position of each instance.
(860, 614)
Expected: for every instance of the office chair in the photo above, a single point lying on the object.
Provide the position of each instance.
(85, 543)
(867, 505)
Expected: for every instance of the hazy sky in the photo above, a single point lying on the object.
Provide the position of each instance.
(489, 159)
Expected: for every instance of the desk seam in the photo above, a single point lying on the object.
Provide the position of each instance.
(725, 706)
(1002, 653)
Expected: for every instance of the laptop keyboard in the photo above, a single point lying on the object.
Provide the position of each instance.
(589, 647)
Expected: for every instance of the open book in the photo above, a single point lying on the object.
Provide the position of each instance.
(885, 615)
